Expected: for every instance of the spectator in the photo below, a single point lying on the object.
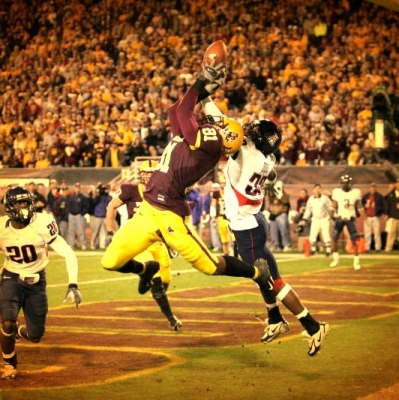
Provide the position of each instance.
(114, 156)
(39, 199)
(368, 154)
(329, 152)
(42, 161)
(61, 213)
(374, 205)
(77, 205)
(279, 206)
(99, 202)
(52, 195)
(392, 203)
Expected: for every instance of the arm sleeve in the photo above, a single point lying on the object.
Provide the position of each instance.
(210, 108)
(174, 122)
(185, 115)
(62, 248)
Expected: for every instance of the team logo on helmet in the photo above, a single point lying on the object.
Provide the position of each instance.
(230, 130)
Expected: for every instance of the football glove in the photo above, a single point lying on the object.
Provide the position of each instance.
(73, 295)
(271, 191)
(213, 76)
(108, 238)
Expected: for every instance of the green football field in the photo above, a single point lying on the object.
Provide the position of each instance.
(118, 345)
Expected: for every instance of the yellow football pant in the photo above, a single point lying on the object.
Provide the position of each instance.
(150, 225)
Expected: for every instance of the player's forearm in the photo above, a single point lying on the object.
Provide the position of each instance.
(61, 247)
(210, 108)
(174, 122)
(186, 119)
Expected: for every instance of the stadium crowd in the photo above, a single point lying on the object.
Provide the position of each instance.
(87, 83)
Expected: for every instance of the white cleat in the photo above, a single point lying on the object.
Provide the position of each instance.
(334, 263)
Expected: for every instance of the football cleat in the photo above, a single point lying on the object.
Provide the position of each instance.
(335, 260)
(152, 267)
(9, 373)
(316, 340)
(175, 323)
(273, 331)
(356, 265)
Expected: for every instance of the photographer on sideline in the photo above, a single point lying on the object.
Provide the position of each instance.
(98, 211)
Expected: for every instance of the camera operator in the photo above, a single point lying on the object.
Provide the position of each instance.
(100, 199)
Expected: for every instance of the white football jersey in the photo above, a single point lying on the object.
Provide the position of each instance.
(346, 202)
(244, 193)
(26, 249)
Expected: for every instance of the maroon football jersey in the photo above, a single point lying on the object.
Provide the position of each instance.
(130, 195)
(192, 153)
(180, 167)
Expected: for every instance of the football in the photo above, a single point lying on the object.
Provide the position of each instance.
(217, 52)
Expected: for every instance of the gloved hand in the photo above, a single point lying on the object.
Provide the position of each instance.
(73, 295)
(271, 191)
(108, 238)
(213, 76)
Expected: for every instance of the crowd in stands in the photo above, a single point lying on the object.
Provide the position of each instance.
(87, 83)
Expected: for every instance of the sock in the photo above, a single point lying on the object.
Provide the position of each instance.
(10, 359)
(274, 314)
(238, 268)
(159, 295)
(132, 266)
(308, 322)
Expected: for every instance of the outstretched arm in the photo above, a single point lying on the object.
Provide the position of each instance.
(62, 248)
(210, 108)
(181, 113)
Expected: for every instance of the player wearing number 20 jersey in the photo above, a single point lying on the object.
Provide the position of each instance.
(24, 238)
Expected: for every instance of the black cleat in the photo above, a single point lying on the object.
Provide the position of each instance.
(175, 323)
(151, 268)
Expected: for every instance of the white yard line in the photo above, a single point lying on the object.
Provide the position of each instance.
(280, 259)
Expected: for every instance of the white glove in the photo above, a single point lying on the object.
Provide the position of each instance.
(213, 76)
(73, 295)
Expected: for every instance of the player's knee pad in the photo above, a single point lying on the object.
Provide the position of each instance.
(157, 288)
(8, 328)
(35, 334)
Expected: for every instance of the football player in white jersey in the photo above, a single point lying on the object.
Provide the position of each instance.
(247, 174)
(347, 201)
(24, 239)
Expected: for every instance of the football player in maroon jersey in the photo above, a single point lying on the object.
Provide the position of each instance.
(194, 151)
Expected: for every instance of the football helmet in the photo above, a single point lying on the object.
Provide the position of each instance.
(346, 182)
(14, 200)
(231, 131)
(265, 135)
(145, 171)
